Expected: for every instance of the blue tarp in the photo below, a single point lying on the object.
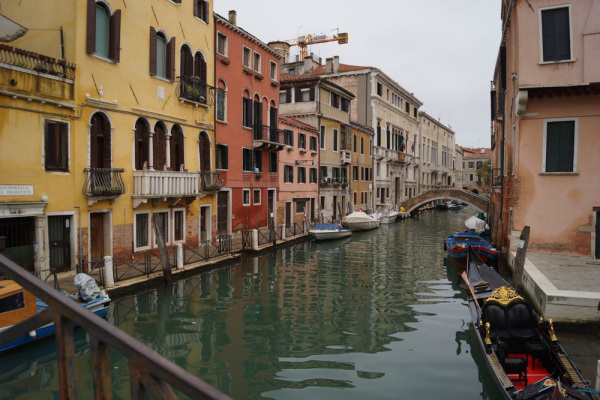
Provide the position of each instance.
(329, 227)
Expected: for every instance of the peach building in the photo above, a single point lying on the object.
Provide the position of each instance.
(545, 144)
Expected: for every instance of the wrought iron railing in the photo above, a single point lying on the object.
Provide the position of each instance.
(268, 134)
(295, 228)
(193, 89)
(149, 372)
(104, 182)
(210, 181)
(36, 62)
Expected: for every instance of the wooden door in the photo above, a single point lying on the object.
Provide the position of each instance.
(59, 239)
(288, 213)
(334, 208)
(96, 237)
(222, 207)
(204, 152)
(312, 209)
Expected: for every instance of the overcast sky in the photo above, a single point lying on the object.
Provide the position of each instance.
(443, 51)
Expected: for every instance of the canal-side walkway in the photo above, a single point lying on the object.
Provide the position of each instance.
(565, 288)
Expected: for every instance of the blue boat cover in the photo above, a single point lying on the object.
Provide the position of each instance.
(328, 227)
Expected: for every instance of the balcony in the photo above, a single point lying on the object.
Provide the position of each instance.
(210, 181)
(103, 184)
(160, 186)
(405, 159)
(379, 153)
(267, 138)
(191, 88)
(345, 157)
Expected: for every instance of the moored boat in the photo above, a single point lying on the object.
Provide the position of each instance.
(329, 232)
(457, 247)
(385, 217)
(359, 221)
(521, 350)
(17, 304)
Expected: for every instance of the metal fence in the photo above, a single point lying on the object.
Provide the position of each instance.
(295, 228)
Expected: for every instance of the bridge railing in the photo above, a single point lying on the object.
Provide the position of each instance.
(150, 373)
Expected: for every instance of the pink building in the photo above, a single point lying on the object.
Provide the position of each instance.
(546, 114)
(298, 177)
(248, 142)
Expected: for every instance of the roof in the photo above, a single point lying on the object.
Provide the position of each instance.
(477, 152)
(343, 68)
(295, 122)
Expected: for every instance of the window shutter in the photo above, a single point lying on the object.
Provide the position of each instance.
(152, 51)
(298, 95)
(202, 69)
(106, 144)
(312, 93)
(63, 145)
(288, 95)
(196, 10)
(225, 161)
(170, 73)
(205, 11)
(91, 27)
(50, 144)
(114, 36)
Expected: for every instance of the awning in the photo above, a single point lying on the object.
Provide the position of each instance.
(10, 30)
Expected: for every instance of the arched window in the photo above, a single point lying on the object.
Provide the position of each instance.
(103, 31)
(177, 148)
(162, 55)
(204, 152)
(100, 142)
(141, 144)
(186, 62)
(221, 101)
(200, 66)
(247, 110)
(159, 143)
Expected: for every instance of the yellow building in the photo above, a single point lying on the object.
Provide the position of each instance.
(105, 129)
(361, 184)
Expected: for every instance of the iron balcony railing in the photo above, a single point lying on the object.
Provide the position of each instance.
(268, 134)
(36, 62)
(210, 181)
(193, 89)
(104, 182)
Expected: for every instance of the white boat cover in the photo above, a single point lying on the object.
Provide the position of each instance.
(475, 223)
(358, 216)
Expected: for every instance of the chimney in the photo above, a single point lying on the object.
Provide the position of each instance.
(336, 64)
(308, 65)
(233, 17)
(482, 151)
(328, 65)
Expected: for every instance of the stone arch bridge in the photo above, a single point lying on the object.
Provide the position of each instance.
(479, 201)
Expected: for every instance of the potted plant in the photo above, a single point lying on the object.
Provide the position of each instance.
(289, 148)
(344, 185)
(336, 184)
(302, 151)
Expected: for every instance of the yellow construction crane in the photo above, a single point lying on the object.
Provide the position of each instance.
(303, 41)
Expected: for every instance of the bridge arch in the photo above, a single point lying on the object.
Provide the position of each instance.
(479, 201)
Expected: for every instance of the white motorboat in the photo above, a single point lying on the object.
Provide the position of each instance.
(385, 217)
(329, 232)
(359, 221)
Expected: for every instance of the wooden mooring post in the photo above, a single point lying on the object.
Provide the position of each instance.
(520, 258)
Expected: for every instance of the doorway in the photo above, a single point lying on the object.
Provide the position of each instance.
(222, 212)
(334, 208)
(97, 237)
(205, 223)
(288, 213)
(59, 242)
(271, 208)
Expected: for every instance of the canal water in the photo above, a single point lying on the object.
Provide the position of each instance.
(378, 315)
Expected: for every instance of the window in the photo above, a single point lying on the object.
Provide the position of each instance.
(362, 173)
(322, 137)
(354, 143)
(221, 44)
(247, 160)
(470, 177)
(288, 174)
(201, 10)
(472, 164)
(313, 143)
(301, 140)
(378, 134)
(162, 55)
(335, 140)
(556, 34)
(247, 112)
(257, 161)
(288, 137)
(370, 147)
(162, 221)
(177, 148)
(362, 145)
(159, 150)
(273, 72)
(301, 175)
(246, 57)
(479, 163)
(560, 140)
(256, 64)
(379, 89)
(221, 102)
(222, 157)
(142, 230)
(178, 225)
(407, 107)
(355, 172)
(103, 31)
(312, 175)
(335, 100)
(272, 161)
(300, 206)
(323, 174)
(100, 142)
(246, 197)
(285, 96)
(56, 145)
(345, 105)
(256, 196)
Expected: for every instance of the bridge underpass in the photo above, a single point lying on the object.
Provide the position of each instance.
(479, 201)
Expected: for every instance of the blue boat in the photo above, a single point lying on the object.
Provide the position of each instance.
(457, 246)
(329, 232)
(17, 305)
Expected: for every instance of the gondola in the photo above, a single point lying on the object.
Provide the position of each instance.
(521, 350)
(456, 245)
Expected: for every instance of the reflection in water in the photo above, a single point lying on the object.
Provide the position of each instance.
(376, 315)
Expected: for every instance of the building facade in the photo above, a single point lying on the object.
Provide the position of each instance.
(474, 177)
(361, 165)
(109, 134)
(438, 156)
(546, 97)
(248, 138)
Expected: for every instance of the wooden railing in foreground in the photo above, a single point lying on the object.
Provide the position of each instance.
(151, 375)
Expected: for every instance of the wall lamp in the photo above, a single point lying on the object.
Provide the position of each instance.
(298, 162)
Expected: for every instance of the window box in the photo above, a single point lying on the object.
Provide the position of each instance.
(289, 148)
(258, 175)
(107, 191)
(336, 184)
(302, 151)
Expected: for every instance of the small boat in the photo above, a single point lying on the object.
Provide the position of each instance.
(329, 232)
(385, 217)
(17, 304)
(442, 206)
(457, 247)
(521, 350)
(359, 221)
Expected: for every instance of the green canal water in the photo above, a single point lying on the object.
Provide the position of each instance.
(378, 315)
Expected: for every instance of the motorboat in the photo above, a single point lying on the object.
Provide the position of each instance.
(521, 350)
(329, 232)
(17, 305)
(386, 217)
(457, 247)
(359, 221)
